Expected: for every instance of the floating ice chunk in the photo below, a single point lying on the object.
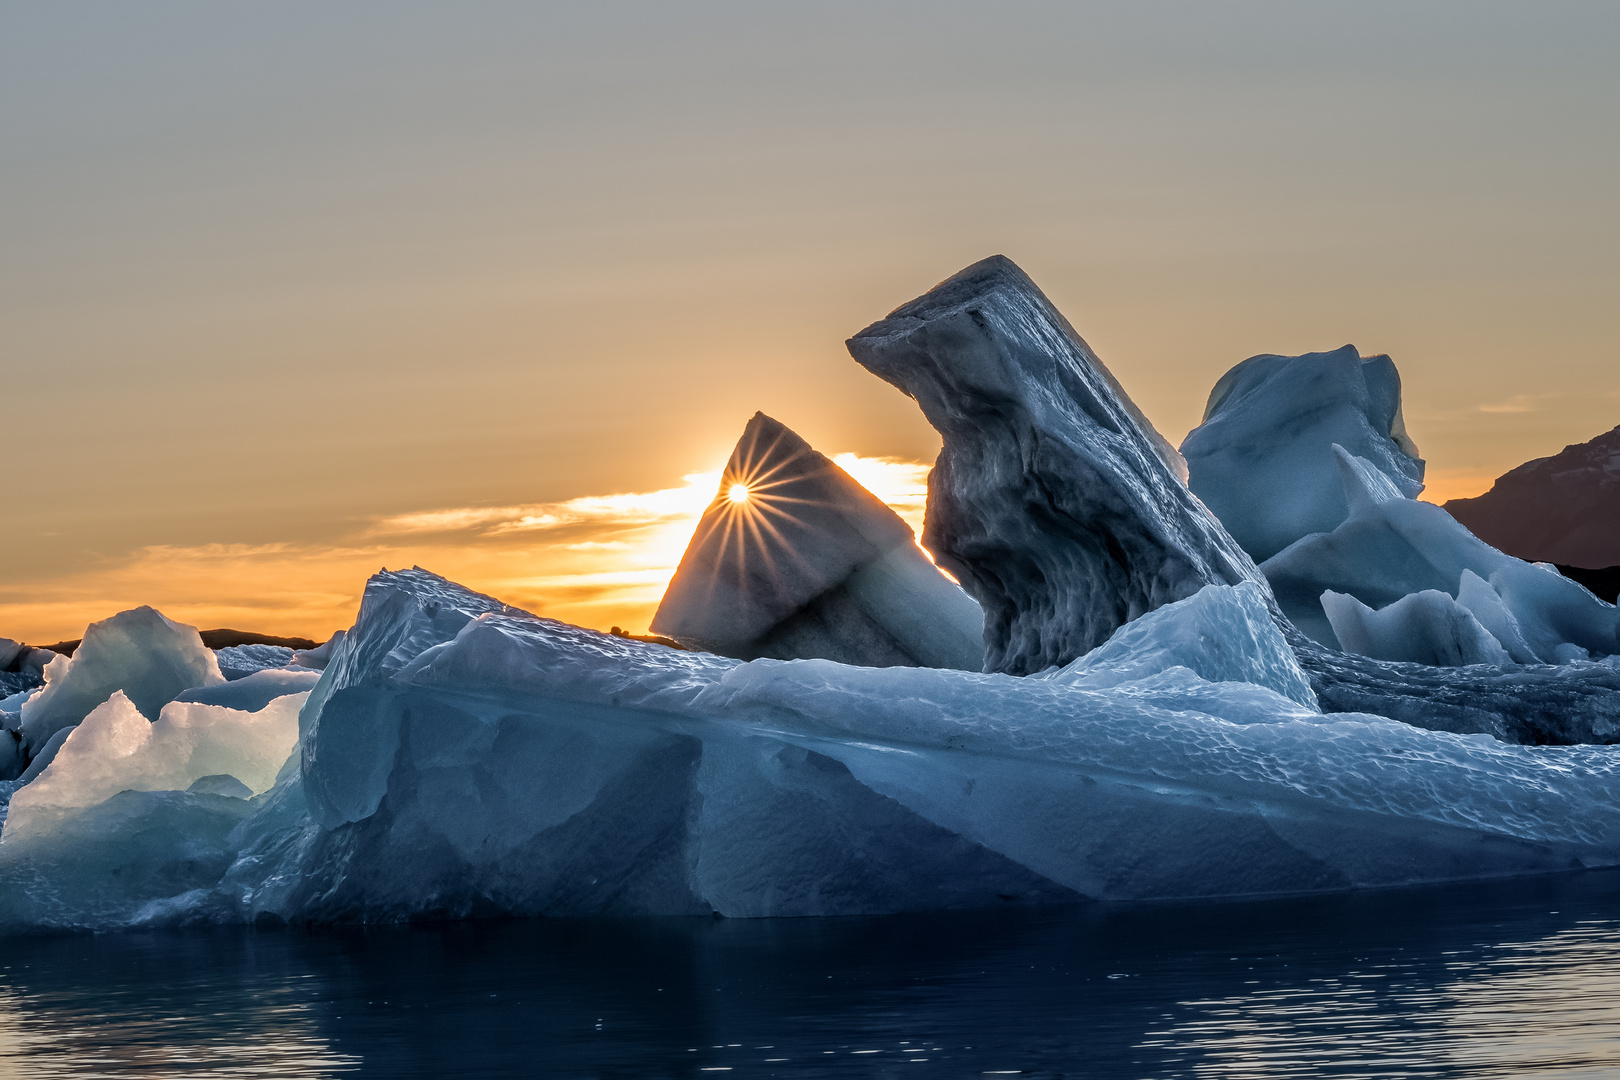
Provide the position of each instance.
(1263, 459)
(240, 661)
(1223, 633)
(1426, 627)
(793, 558)
(146, 656)
(254, 692)
(115, 748)
(12, 758)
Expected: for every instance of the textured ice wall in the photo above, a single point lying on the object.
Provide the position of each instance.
(1262, 459)
(1053, 504)
(811, 564)
(522, 765)
(1054, 501)
(149, 658)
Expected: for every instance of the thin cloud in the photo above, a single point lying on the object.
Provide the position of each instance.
(1518, 403)
(597, 560)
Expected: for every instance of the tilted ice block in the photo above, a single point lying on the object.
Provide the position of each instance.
(148, 657)
(116, 749)
(1054, 501)
(1426, 627)
(1263, 459)
(807, 563)
(99, 866)
(1224, 634)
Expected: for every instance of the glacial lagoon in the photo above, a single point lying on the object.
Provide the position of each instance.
(1515, 978)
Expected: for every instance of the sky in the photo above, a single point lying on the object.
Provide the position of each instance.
(290, 292)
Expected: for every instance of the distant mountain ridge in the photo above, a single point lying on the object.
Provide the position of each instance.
(1561, 509)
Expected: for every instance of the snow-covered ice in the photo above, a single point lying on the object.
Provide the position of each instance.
(805, 563)
(1262, 459)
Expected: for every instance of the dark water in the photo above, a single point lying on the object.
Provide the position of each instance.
(1514, 979)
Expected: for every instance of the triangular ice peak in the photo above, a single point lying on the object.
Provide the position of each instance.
(794, 559)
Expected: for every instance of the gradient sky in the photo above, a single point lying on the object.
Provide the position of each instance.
(279, 280)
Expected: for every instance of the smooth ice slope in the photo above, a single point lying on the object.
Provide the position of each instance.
(1262, 459)
(1222, 634)
(811, 564)
(1390, 547)
(148, 657)
(1054, 501)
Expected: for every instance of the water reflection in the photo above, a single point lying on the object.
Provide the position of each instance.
(1513, 979)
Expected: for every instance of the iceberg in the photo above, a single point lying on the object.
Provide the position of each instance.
(1390, 548)
(149, 658)
(253, 692)
(462, 758)
(1054, 502)
(1061, 511)
(1262, 460)
(794, 559)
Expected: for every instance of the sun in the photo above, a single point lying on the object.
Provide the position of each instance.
(738, 493)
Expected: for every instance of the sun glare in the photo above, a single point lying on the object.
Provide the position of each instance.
(738, 493)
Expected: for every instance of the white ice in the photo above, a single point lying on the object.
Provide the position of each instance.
(116, 749)
(149, 658)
